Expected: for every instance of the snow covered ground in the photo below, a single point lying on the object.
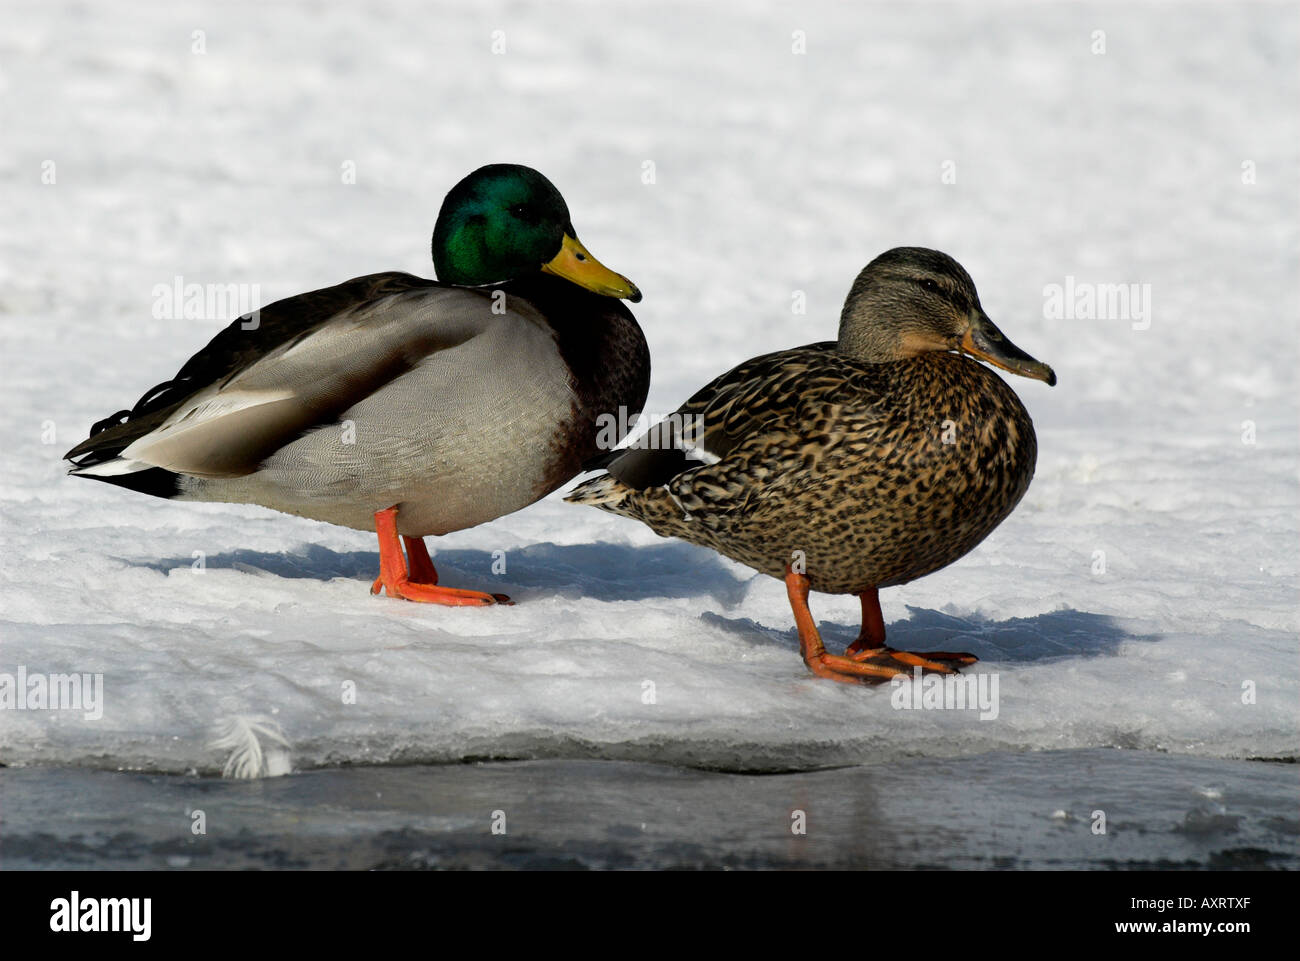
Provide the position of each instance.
(1143, 595)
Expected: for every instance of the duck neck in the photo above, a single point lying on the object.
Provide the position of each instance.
(866, 342)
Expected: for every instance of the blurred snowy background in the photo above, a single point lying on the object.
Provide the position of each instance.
(1149, 573)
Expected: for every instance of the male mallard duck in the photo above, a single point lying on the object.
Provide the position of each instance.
(401, 405)
(850, 466)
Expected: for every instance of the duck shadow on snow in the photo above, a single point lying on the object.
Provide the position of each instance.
(622, 572)
(1039, 638)
(605, 572)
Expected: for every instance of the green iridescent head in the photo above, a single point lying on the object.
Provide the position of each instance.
(506, 221)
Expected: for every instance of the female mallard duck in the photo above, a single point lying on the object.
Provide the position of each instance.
(401, 405)
(850, 466)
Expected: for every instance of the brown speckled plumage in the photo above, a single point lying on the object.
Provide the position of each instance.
(846, 462)
(860, 463)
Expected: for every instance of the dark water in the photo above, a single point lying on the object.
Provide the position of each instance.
(1011, 811)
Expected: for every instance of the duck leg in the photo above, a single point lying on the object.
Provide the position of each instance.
(418, 562)
(420, 582)
(870, 644)
(872, 635)
(877, 667)
(419, 565)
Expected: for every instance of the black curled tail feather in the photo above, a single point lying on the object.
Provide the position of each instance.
(90, 454)
(112, 435)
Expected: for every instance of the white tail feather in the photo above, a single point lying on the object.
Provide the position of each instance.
(111, 468)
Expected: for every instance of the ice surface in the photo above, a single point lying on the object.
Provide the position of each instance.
(774, 173)
(993, 811)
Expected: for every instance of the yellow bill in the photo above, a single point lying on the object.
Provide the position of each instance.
(575, 263)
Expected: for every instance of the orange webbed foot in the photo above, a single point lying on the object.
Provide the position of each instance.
(867, 660)
(926, 659)
(852, 670)
(409, 590)
(870, 647)
(939, 662)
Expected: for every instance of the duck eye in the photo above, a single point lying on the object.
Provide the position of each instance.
(521, 211)
(930, 285)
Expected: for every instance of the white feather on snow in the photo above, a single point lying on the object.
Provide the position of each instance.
(243, 737)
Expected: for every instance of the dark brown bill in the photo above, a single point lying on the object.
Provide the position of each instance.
(984, 341)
